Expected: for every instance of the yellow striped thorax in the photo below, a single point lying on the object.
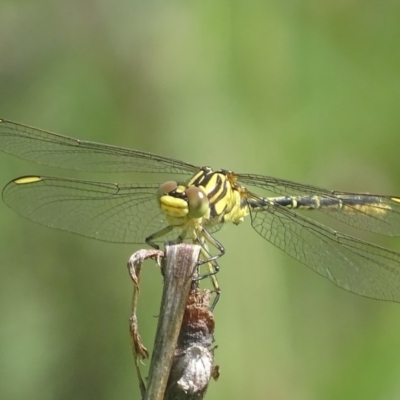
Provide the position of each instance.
(208, 198)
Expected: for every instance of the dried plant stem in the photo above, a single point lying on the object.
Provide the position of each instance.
(179, 268)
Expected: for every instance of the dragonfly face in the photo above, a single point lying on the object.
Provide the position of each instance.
(129, 213)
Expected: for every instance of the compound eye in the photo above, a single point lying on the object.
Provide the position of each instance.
(166, 188)
(198, 201)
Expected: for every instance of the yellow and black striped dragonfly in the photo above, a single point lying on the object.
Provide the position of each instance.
(195, 208)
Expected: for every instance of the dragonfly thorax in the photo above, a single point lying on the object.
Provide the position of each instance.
(226, 203)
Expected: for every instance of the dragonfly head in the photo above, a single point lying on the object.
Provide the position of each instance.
(181, 201)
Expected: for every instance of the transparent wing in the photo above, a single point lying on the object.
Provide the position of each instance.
(352, 264)
(65, 152)
(123, 213)
(380, 214)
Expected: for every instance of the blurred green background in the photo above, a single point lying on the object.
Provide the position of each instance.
(307, 91)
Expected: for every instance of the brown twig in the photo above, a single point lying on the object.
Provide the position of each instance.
(180, 265)
(190, 354)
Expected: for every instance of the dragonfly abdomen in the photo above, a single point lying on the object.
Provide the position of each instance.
(346, 203)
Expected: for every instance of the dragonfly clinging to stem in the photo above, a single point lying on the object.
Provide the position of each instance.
(199, 205)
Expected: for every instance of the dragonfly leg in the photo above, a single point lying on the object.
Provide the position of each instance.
(214, 242)
(162, 232)
(207, 258)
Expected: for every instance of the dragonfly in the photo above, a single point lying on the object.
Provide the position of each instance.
(198, 205)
